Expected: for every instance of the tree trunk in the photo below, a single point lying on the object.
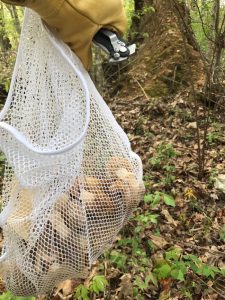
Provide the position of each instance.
(161, 61)
(14, 14)
(4, 40)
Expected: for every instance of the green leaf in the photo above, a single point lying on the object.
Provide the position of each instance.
(156, 199)
(81, 293)
(153, 199)
(153, 218)
(135, 291)
(138, 229)
(94, 288)
(173, 254)
(192, 257)
(193, 267)
(118, 258)
(207, 271)
(99, 283)
(148, 198)
(85, 295)
(163, 272)
(177, 274)
(151, 277)
(6, 296)
(168, 200)
(182, 266)
(140, 283)
(10, 296)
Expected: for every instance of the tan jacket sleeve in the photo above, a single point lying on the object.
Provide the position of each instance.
(77, 21)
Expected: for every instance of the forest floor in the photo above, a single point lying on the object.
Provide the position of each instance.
(163, 132)
(174, 245)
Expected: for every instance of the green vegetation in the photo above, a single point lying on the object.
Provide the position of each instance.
(173, 246)
(97, 285)
(10, 296)
(164, 152)
(155, 198)
(10, 21)
(129, 8)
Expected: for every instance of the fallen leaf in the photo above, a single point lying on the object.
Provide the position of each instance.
(220, 183)
(169, 218)
(198, 218)
(158, 241)
(126, 287)
(192, 125)
(66, 288)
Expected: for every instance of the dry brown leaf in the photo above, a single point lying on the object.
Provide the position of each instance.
(192, 125)
(164, 295)
(180, 202)
(65, 289)
(169, 218)
(126, 287)
(198, 218)
(41, 298)
(158, 241)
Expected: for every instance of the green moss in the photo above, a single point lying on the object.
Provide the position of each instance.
(157, 89)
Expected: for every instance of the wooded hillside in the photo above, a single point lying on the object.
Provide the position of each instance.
(170, 100)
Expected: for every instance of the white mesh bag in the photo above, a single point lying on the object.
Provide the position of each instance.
(71, 180)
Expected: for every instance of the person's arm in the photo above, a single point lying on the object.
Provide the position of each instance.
(78, 22)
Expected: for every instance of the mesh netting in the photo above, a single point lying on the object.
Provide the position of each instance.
(71, 180)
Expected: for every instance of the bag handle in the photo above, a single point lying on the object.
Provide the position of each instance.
(18, 135)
